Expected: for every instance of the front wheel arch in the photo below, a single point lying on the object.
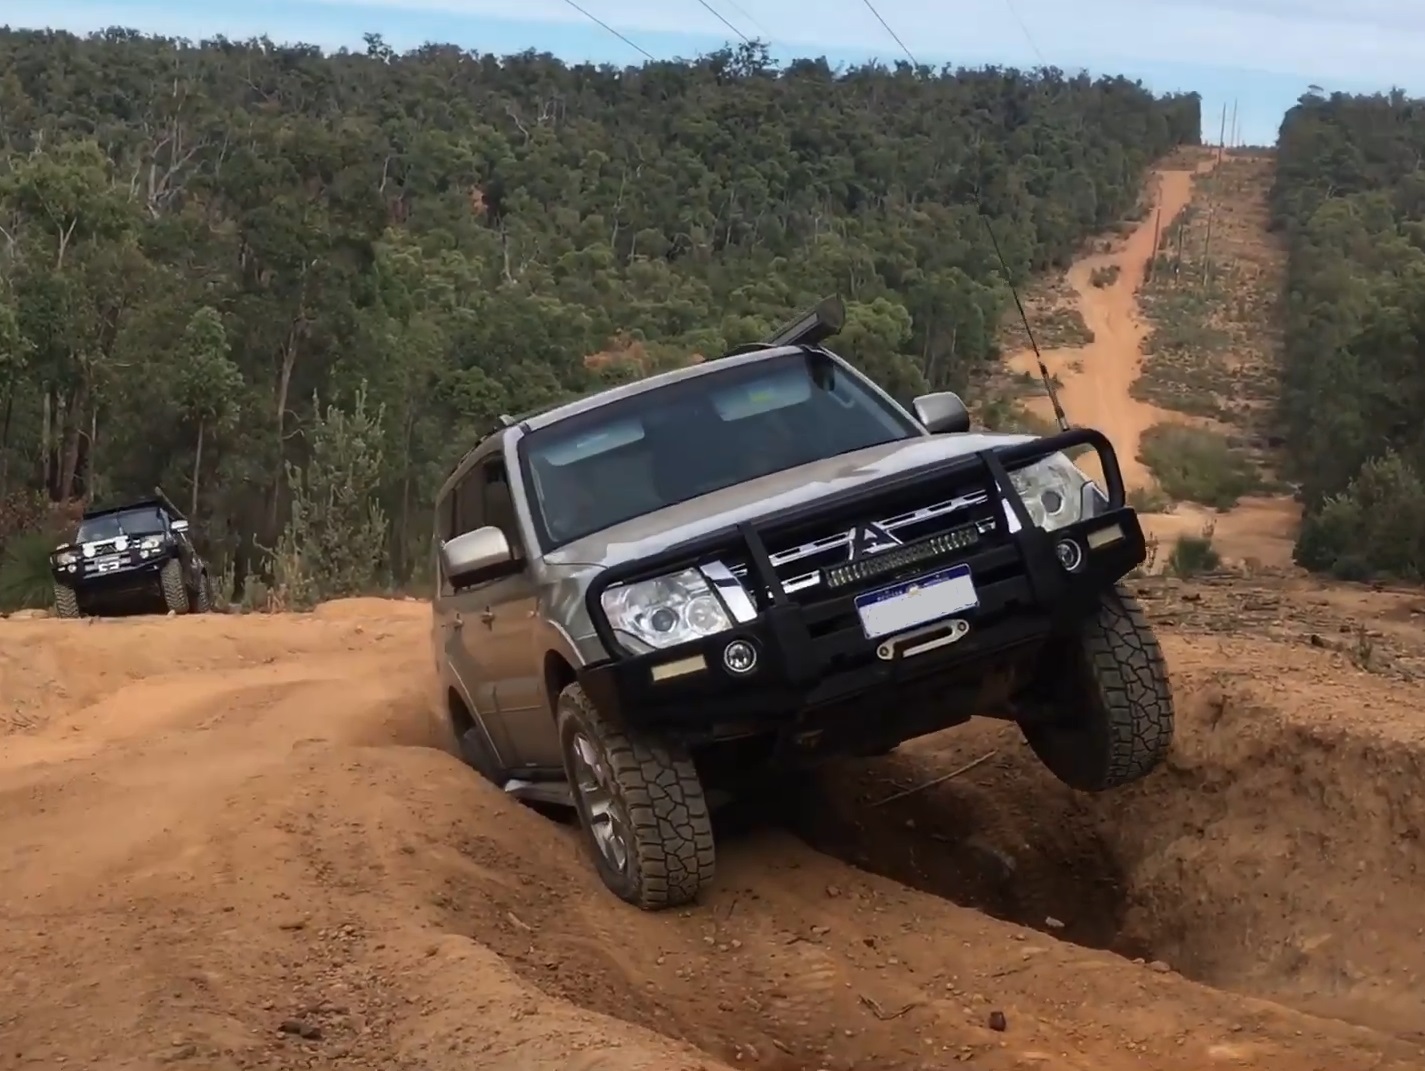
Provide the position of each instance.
(559, 673)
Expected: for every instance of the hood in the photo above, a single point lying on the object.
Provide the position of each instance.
(642, 536)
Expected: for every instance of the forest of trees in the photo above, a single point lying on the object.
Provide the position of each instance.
(292, 288)
(1350, 195)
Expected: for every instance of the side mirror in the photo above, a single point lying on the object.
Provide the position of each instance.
(474, 556)
(179, 526)
(942, 412)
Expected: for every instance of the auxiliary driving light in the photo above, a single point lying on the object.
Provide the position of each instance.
(740, 657)
(1071, 555)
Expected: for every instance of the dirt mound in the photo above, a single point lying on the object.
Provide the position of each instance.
(238, 843)
(1277, 854)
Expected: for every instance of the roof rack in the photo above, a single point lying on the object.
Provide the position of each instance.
(822, 321)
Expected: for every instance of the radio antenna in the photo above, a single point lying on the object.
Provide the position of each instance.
(1044, 376)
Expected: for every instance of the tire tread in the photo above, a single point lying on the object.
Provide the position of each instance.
(672, 849)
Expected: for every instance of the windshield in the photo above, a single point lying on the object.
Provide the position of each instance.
(146, 520)
(668, 445)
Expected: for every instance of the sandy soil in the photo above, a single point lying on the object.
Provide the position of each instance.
(1097, 379)
(236, 842)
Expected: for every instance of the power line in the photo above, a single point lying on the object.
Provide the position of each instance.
(1014, 13)
(746, 15)
(718, 15)
(887, 25)
(595, 19)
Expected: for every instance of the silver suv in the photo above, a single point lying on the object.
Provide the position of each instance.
(651, 597)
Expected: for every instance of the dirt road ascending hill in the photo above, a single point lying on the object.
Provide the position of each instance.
(1096, 384)
(229, 843)
(1096, 378)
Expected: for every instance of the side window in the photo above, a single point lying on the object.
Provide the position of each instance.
(469, 503)
(445, 528)
(499, 504)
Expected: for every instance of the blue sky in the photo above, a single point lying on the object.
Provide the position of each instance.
(1262, 54)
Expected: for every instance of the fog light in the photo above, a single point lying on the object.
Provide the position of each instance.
(1071, 556)
(739, 657)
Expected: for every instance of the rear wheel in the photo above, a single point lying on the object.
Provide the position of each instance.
(175, 592)
(203, 597)
(641, 806)
(66, 602)
(1114, 724)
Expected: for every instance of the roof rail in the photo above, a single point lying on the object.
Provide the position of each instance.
(822, 321)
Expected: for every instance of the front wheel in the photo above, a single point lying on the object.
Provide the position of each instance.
(66, 602)
(1114, 720)
(641, 807)
(175, 592)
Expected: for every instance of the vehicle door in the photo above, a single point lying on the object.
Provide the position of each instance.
(458, 622)
(507, 627)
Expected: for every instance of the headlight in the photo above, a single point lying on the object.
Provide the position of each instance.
(150, 542)
(66, 557)
(665, 611)
(1053, 492)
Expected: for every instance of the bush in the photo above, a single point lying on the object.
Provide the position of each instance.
(1376, 527)
(1101, 277)
(1194, 554)
(1149, 500)
(25, 581)
(1197, 465)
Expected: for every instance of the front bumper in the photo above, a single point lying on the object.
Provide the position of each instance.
(812, 651)
(118, 572)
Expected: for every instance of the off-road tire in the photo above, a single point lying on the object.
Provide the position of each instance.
(175, 592)
(1116, 724)
(203, 597)
(66, 602)
(671, 856)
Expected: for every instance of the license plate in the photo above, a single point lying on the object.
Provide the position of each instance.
(108, 565)
(916, 602)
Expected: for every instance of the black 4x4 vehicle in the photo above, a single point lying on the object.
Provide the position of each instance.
(647, 595)
(132, 557)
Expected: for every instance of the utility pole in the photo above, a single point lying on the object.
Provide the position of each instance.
(1222, 133)
(1153, 256)
(1207, 249)
(1234, 122)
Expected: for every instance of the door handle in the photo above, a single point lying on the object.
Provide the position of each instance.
(488, 617)
(458, 622)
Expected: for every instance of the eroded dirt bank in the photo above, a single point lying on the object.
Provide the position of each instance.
(231, 843)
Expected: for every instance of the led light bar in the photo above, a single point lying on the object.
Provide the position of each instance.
(891, 561)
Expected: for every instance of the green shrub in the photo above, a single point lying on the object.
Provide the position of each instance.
(1149, 500)
(1193, 554)
(1376, 527)
(1101, 277)
(25, 580)
(1197, 465)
